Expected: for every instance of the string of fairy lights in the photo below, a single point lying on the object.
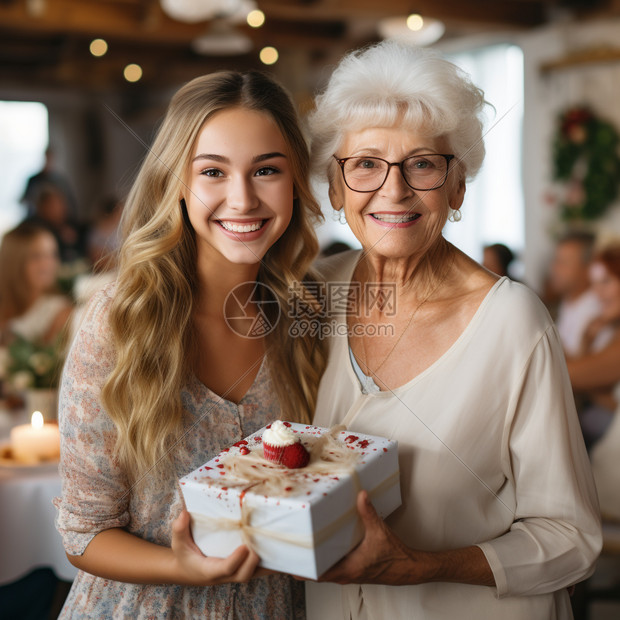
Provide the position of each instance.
(133, 72)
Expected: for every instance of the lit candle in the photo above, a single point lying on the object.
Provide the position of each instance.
(34, 442)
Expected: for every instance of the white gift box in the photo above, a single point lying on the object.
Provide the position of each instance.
(299, 521)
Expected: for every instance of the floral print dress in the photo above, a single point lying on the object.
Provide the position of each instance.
(96, 495)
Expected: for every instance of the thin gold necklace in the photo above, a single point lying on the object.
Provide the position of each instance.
(372, 373)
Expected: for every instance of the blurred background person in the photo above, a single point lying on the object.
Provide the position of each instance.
(47, 177)
(595, 373)
(102, 245)
(52, 212)
(29, 304)
(102, 241)
(498, 258)
(569, 280)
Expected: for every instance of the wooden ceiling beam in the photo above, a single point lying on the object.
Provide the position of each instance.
(144, 20)
(100, 19)
(510, 13)
(124, 22)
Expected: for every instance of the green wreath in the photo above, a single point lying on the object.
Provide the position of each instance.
(585, 157)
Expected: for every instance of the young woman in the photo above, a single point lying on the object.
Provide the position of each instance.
(29, 304)
(187, 353)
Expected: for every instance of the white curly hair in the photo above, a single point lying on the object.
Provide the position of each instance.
(389, 83)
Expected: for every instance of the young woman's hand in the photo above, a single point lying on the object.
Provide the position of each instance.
(194, 568)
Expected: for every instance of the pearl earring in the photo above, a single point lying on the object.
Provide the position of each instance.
(339, 216)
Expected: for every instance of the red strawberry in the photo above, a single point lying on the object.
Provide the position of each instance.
(295, 456)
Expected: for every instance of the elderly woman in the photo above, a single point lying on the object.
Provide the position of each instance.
(499, 513)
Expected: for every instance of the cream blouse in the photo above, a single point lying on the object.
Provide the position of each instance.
(490, 453)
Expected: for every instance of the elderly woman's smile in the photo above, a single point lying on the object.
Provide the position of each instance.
(395, 220)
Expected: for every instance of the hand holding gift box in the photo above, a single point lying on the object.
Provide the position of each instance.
(299, 521)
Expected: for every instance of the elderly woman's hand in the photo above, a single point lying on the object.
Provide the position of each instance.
(381, 557)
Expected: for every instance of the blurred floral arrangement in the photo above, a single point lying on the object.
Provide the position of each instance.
(586, 162)
(32, 365)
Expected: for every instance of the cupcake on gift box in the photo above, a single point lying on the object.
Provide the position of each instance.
(276, 438)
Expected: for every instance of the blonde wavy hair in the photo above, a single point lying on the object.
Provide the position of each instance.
(151, 314)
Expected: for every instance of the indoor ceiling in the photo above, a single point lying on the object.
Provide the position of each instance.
(46, 42)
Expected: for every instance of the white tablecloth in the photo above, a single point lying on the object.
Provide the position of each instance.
(28, 538)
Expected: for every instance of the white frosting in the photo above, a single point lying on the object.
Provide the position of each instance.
(279, 435)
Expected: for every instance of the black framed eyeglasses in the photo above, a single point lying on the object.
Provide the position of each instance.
(421, 172)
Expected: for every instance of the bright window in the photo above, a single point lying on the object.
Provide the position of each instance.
(493, 211)
(25, 136)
